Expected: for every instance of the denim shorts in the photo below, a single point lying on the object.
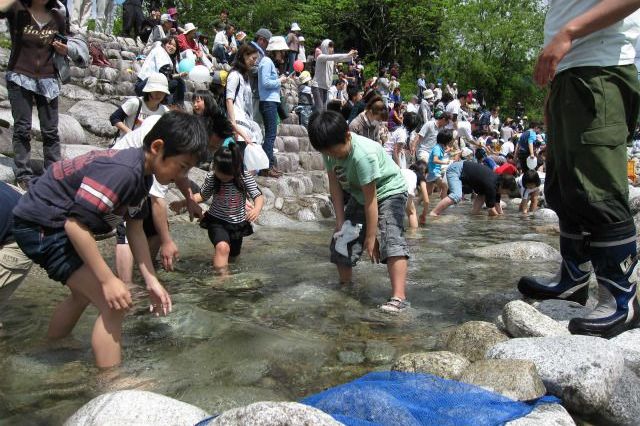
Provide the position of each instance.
(391, 213)
(48, 247)
(454, 175)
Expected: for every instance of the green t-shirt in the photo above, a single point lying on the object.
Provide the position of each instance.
(367, 162)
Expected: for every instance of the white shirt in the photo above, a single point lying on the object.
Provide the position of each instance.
(334, 93)
(242, 105)
(429, 135)
(130, 107)
(507, 148)
(135, 139)
(455, 108)
(399, 136)
(221, 38)
(613, 45)
(494, 123)
(156, 59)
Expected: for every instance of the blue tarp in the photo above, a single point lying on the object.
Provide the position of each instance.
(407, 399)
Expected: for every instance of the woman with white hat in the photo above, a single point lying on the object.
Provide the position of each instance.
(302, 53)
(132, 113)
(269, 84)
(188, 46)
(294, 46)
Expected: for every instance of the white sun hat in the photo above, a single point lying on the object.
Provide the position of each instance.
(156, 83)
(295, 27)
(277, 43)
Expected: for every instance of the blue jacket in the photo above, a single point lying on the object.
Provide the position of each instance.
(268, 82)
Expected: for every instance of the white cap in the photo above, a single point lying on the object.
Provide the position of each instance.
(166, 17)
(295, 27)
(156, 83)
(189, 27)
(300, 38)
(277, 43)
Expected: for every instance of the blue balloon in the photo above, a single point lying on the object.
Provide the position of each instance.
(119, 2)
(186, 65)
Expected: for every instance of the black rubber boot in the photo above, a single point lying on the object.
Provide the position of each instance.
(571, 282)
(614, 258)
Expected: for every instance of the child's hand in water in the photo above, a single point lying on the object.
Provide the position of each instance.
(178, 206)
(160, 299)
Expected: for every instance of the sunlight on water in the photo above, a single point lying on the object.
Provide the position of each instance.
(279, 328)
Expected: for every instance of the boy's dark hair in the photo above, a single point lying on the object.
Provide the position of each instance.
(334, 105)
(228, 160)
(480, 154)
(445, 136)
(375, 105)
(182, 133)
(446, 97)
(327, 129)
(507, 182)
(461, 95)
(530, 177)
(217, 124)
(352, 92)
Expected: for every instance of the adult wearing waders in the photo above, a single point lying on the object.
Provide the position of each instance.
(591, 113)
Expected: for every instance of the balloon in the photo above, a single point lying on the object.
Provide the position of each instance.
(200, 74)
(298, 66)
(186, 65)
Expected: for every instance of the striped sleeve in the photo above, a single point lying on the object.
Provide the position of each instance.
(206, 191)
(251, 186)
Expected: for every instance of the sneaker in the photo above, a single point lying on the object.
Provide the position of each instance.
(395, 305)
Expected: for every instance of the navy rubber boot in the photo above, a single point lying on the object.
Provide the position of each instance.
(571, 282)
(614, 260)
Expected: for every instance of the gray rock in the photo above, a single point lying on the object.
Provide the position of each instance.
(76, 93)
(197, 176)
(292, 130)
(125, 88)
(546, 215)
(447, 365)
(379, 352)
(516, 251)
(94, 116)
(350, 357)
(563, 310)
(274, 219)
(472, 339)
(90, 82)
(130, 407)
(634, 192)
(623, 406)
(6, 169)
(4, 93)
(69, 130)
(516, 379)
(523, 320)
(306, 215)
(545, 415)
(291, 144)
(634, 204)
(128, 55)
(106, 88)
(274, 414)
(581, 370)
(629, 344)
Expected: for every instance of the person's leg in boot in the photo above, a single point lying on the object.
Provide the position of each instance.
(572, 280)
(614, 257)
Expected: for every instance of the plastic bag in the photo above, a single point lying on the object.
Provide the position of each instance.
(255, 157)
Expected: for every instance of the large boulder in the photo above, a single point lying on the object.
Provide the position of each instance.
(274, 414)
(94, 116)
(517, 251)
(76, 93)
(441, 363)
(69, 129)
(71, 151)
(513, 378)
(4, 93)
(472, 339)
(132, 407)
(545, 415)
(6, 169)
(629, 345)
(546, 215)
(587, 373)
(523, 320)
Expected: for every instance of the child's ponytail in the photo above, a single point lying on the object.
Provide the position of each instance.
(228, 160)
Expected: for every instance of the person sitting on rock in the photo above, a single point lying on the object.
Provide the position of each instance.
(188, 46)
(163, 59)
(133, 111)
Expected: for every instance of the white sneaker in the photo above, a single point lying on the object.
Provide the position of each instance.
(395, 305)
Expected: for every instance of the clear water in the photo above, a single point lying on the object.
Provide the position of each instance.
(280, 328)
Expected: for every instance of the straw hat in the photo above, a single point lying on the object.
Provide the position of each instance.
(305, 77)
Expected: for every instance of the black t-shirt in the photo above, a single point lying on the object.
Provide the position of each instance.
(9, 198)
(481, 180)
(97, 188)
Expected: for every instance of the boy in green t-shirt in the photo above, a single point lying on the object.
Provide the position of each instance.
(378, 195)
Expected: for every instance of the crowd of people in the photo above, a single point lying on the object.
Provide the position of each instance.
(384, 157)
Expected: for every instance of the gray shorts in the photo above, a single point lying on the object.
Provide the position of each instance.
(391, 213)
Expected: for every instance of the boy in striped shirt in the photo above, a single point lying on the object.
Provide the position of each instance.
(54, 225)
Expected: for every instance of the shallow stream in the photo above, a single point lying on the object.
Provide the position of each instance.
(279, 328)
